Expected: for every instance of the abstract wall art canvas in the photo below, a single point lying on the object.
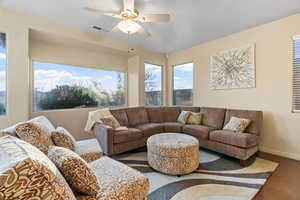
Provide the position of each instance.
(234, 68)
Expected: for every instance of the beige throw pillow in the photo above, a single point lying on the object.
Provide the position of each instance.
(76, 171)
(35, 135)
(111, 121)
(184, 116)
(237, 124)
(62, 138)
(195, 118)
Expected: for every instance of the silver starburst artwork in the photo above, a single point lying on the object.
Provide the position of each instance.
(234, 68)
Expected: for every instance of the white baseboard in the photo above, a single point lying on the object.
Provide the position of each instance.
(280, 153)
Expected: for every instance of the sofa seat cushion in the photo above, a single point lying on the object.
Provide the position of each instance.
(89, 150)
(243, 140)
(118, 181)
(173, 127)
(27, 173)
(198, 131)
(151, 129)
(127, 136)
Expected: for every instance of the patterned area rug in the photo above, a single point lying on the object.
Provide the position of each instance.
(218, 177)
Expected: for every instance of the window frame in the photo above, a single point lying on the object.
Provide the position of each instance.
(6, 74)
(172, 79)
(294, 38)
(32, 61)
(162, 83)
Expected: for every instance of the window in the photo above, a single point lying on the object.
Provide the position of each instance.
(2, 74)
(183, 84)
(153, 85)
(296, 76)
(62, 86)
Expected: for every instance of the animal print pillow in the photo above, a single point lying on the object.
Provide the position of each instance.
(75, 170)
(237, 124)
(33, 134)
(111, 121)
(62, 138)
(184, 116)
(195, 118)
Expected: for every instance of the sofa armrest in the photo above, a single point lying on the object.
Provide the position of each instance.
(104, 135)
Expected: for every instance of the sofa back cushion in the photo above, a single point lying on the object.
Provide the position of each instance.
(121, 116)
(171, 114)
(155, 114)
(190, 108)
(213, 117)
(26, 173)
(256, 118)
(137, 115)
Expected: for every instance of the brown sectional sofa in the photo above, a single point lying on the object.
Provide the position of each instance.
(146, 121)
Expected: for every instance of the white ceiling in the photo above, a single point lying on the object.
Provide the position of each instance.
(192, 21)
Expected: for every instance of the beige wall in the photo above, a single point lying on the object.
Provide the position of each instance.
(272, 94)
(30, 38)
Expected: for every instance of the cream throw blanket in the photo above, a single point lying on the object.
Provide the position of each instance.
(95, 117)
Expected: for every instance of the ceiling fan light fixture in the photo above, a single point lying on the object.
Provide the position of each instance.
(128, 26)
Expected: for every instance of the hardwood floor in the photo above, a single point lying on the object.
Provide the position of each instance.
(284, 184)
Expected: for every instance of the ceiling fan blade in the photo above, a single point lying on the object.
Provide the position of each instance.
(115, 29)
(154, 18)
(142, 31)
(100, 29)
(128, 4)
(111, 14)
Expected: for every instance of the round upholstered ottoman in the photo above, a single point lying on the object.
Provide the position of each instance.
(173, 153)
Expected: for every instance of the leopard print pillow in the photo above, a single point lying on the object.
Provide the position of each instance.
(76, 171)
(5, 133)
(111, 121)
(183, 117)
(62, 138)
(237, 124)
(195, 118)
(33, 134)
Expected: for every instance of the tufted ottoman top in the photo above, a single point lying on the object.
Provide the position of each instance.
(173, 145)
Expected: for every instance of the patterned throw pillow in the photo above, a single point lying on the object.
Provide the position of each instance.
(27, 173)
(34, 135)
(195, 118)
(5, 133)
(76, 171)
(184, 116)
(62, 138)
(111, 121)
(237, 124)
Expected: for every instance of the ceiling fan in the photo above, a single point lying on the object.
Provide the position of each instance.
(130, 19)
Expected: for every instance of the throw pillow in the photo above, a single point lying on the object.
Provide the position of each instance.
(195, 118)
(184, 116)
(62, 138)
(110, 121)
(237, 124)
(33, 134)
(76, 171)
(5, 133)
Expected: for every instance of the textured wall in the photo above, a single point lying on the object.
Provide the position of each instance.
(272, 94)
